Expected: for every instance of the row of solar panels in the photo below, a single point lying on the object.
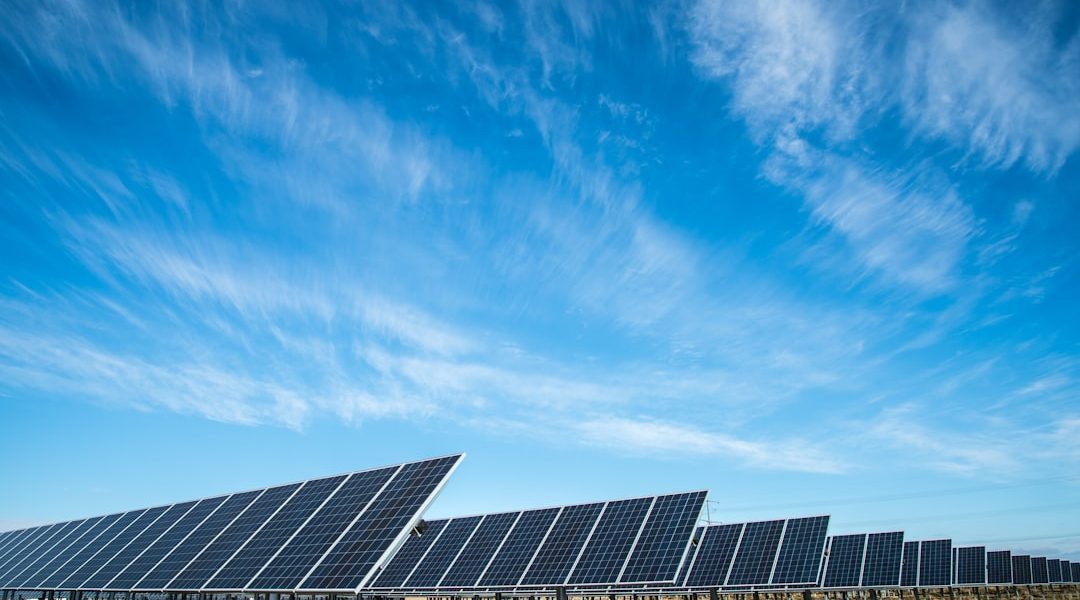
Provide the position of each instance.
(638, 540)
(322, 534)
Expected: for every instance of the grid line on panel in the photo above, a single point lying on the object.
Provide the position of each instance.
(800, 551)
(882, 562)
(87, 551)
(34, 552)
(394, 574)
(152, 555)
(935, 563)
(358, 551)
(567, 536)
(183, 553)
(61, 553)
(715, 553)
(115, 548)
(664, 539)
(509, 564)
(435, 563)
(478, 551)
(197, 572)
(757, 550)
(845, 561)
(134, 549)
(971, 565)
(610, 543)
(258, 550)
(1021, 567)
(314, 539)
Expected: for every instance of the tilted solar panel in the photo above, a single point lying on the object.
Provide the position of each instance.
(1021, 565)
(86, 550)
(935, 563)
(106, 551)
(1053, 570)
(442, 554)
(42, 552)
(156, 551)
(800, 551)
(610, 543)
(971, 565)
(24, 545)
(881, 565)
(1075, 570)
(664, 539)
(756, 554)
(168, 516)
(999, 567)
(1039, 572)
(567, 537)
(478, 552)
(714, 556)
(1066, 572)
(394, 574)
(843, 567)
(62, 553)
(510, 562)
(680, 579)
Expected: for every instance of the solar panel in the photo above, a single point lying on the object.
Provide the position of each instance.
(24, 545)
(86, 550)
(1039, 573)
(1074, 568)
(1053, 570)
(376, 532)
(935, 563)
(408, 556)
(715, 552)
(971, 565)
(999, 567)
(609, 546)
(431, 569)
(513, 558)
(843, 567)
(273, 533)
(478, 552)
(167, 516)
(183, 553)
(567, 537)
(1066, 572)
(311, 542)
(41, 553)
(680, 579)
(800, 551)
(1021, 569)
(65, 551)
(664, 539)
(108, 551)
(756, 553)
(881, 565)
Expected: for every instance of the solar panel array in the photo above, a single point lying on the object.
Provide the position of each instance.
(881, 566)
(326, 534)
(935, 563)
(864, 560)
(971, 565)
(639, 540)
(764, 553)
(999, 567)
(1021, 569)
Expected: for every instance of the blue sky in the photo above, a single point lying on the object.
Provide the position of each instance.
(817, 257)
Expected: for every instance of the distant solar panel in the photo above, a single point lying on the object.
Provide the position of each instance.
(1039, 572)
(999, 567)
(843, 566)
(714, 555)
(680, 579)
(1021, 564)
(478, 552)
(881, 565)
(971, 565)
(443, 552)
(556, 556)
(664, 539)
(1066, 572)
(41, 552)
(935, 563)
(756, 554)
(86, 550)
(800, 551)
(609, 546)
(394, 574)
(1074, 568)
(63, 552)
(509, 564)
(168, 516)
(1053, 570)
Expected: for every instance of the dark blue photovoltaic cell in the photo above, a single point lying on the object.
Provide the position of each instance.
(19, 540)
(971, 565)
(203, 567)
(442, 553)
(1021, 569)
(242, 567)
(556, 556)
(800, 551)
(1039, 572)
(520, 546)
(111, 549)
(476, 555)
(1074, 568)
(316, 537)
(41, 554)
(714, 556)
(611, 541)
(757, 551)
(843, 567)
(1053, 570)
(881, 565)
(86, 551)
(663, 541)
(909, 571)
(999, 567)
(22, 559)
(160, 576)
(935, 563)
(63, 552)
(157, 550)
(351, 560)
(406, 559)
(680, 579)
(141, 542)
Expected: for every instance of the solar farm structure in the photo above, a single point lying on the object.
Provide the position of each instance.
(363, 534)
